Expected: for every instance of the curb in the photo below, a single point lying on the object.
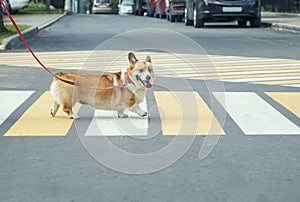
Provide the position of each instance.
(47, 24)
(286, 27)
(282, 26)
(15, 40)
(280, 15)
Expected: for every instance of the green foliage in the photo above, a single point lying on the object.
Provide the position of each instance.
(115, 6)
(12, 31)
(38, 8)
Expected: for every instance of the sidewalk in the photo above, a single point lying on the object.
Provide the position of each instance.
(285, 21)
(37, 21)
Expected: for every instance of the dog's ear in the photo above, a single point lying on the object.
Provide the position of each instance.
(132, 59)
(148, 59)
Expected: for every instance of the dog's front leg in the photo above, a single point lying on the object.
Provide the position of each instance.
(136, 109)
(121, 114)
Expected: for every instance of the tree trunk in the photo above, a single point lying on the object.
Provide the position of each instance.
(2, 27)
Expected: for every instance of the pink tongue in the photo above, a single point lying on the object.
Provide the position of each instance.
(148, 85)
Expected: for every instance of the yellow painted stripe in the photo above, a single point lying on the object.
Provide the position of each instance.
(289, 100)
(37, 121)
(186, 113)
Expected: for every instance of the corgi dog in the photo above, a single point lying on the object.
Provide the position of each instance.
(119, 91)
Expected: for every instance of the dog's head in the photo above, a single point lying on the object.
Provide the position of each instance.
(141, 74)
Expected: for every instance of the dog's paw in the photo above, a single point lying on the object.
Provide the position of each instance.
(143, 114)
(73, 116)
(122, 115)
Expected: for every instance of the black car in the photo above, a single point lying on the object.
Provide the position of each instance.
(197, 12)
(140, 7)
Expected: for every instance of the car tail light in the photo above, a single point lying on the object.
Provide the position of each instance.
(109, 5)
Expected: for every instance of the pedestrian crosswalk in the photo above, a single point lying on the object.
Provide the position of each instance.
(11, 100)
(255, 116)
(186, 113)
(258, 70)
(36, 121)
(179, 113)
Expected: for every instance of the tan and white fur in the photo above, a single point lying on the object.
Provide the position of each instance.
(96, 90)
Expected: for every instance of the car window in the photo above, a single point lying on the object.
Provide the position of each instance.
(127, 2)
(102, 1)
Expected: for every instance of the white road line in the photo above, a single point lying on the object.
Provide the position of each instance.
(106, 123)
(236, 68)
(281, 78)
(293, 85)
(10, 101)
(185, 67)
(240, 73)
(255, 116)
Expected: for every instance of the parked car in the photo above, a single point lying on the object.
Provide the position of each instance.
(102, 6)
(126, 7)
(175, 10)
(153, 8)
(140, 7)
(197, 12)
(13, 6)
(16, 5)
(160, 9)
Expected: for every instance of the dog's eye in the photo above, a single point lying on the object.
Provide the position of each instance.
(141, 70)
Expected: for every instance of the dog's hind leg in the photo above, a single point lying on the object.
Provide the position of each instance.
(67, 108)
(54, 109)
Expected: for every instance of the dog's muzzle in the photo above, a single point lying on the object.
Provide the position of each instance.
(146, 83)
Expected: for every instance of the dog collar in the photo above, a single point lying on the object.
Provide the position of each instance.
(129, 81)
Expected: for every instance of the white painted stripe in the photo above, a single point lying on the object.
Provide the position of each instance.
(106, 123)
(161, 68)
(233, 73)
(255, 116)
(187, 65)
(10, 101)
(177, 74)
(258, 66)
(263, 79)
(183, 60)
(293, 85)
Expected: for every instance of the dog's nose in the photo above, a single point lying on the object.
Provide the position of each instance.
(148, 77)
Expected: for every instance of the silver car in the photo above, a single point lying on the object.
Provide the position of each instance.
(102, 6)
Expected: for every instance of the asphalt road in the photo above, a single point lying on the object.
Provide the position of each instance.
(241, 167)
(87, 32)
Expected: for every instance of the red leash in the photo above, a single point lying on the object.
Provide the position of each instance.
(42, 65)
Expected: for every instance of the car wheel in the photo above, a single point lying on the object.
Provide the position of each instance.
(256, 22)
(172, 18)
(162, 16)
(14, 11)
(197, 22)
(179, 18)
(186, 20)
(242, 23)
